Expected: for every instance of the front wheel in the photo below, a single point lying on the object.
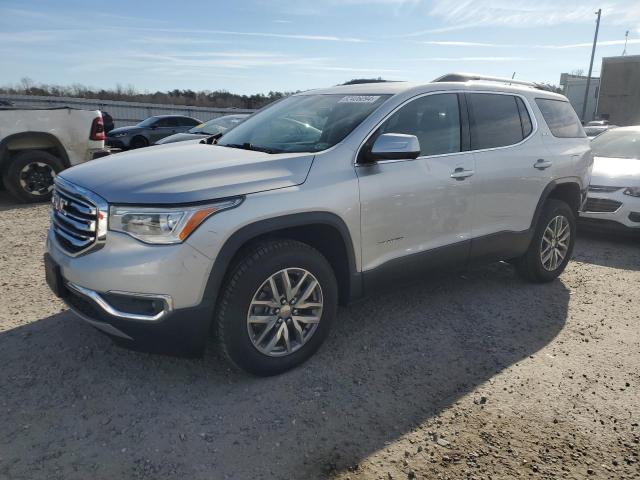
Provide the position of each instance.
(138, 142)
(276, 307)
(552, 243)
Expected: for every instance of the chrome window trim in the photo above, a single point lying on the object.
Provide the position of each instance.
(525, 100)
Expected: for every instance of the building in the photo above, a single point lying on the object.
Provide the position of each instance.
(619, 99)
(573, 87)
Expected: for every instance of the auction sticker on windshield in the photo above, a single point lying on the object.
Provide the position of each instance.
(359, 99)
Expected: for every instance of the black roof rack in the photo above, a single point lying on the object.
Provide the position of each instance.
(466, 77)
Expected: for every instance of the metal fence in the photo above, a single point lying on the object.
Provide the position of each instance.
(123, 113)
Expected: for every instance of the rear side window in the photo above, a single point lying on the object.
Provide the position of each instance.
(561, 118)
(525, 119)
(188, 122)
(495, 120)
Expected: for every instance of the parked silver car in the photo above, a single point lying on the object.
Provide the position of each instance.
(318, 199)
(614, 193)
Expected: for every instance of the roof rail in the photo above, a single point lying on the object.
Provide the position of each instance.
(466, 77)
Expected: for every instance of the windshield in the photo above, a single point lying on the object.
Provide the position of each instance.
(303, 123)
(593, 131)
(148, 122)
(217, 125)
(617, 144)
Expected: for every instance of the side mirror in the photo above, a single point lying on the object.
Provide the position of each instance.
(395, 146)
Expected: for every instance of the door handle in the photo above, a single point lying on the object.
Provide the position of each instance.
(542, 164)
(460, 173)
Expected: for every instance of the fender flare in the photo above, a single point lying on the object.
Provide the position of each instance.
(545, 195)
(271, 225)
(58, 145)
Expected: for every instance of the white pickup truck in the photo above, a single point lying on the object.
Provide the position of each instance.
(36, 144)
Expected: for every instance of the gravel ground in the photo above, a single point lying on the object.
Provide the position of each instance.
(478, 375)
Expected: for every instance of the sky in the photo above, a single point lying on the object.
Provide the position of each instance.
(286, 45)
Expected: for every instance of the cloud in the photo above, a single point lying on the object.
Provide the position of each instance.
(463, 44)
(465, 14)
(292, 36)
(605, 43)
(470, 59)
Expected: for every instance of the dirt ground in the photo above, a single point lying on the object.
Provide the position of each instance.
(472, 376)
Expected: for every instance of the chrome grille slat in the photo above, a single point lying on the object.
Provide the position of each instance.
(72, 240)
(70, 231)
(82, 225)
(78, 218)
(76, 204)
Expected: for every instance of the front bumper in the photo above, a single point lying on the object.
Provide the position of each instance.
(118, 142)
(626, 213)
(145, 297)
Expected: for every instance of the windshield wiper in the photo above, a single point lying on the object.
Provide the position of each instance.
(212, 139)
(255, 148)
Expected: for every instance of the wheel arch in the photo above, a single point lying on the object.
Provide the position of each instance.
(566, 189)
(324, 231)
(32, 141)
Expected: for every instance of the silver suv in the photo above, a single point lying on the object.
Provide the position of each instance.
(318, 199)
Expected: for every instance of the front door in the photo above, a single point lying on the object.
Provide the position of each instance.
(417, 213)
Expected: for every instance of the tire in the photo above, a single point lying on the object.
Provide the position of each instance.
(138, 142)
(249, 281)
(547, 234)
(29, 176)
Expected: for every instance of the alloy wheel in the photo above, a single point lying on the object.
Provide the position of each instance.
(555, 243)
(37, 178)
(285, 312)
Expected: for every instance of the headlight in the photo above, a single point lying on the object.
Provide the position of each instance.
(163, 225)
(632, 191)
(123, 134)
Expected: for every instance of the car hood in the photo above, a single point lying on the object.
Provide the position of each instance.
(179, 137)
(616, 172)
(130, 129)
(188, 172)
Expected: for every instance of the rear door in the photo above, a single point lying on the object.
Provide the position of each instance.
(569, 149)
(510, 176)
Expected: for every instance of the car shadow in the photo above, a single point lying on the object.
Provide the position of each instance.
(76, 405)
(7, 202)
(608, 248)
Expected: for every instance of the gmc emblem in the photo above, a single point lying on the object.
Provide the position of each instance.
(58, 203)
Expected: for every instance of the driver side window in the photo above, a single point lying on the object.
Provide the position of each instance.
(434, 119)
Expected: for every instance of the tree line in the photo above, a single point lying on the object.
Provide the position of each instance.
(202, 98)
(192, 98)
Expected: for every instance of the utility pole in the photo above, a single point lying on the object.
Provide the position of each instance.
(593, 52)
(626, 39)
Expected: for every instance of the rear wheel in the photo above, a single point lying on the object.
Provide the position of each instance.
(276, 307)
(552, 243)
(30, 175)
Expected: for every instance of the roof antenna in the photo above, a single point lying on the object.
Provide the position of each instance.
(513, 76)
(626, 37)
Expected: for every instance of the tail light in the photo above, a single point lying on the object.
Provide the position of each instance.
(97, 129)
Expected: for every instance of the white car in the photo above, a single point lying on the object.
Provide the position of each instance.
(614, 193)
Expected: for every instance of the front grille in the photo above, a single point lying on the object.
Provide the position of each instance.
(603, 189)
(601, 205)
(78, 222)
